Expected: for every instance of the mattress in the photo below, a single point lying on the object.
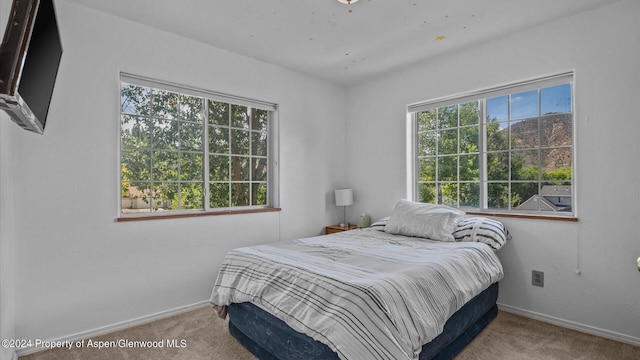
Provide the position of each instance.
(268, 337)
(366, 294)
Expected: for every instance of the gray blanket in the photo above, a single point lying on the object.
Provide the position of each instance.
(365, 293)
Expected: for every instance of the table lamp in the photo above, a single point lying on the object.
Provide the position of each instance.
(344, 198)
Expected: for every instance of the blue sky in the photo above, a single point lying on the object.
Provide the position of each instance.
(555, 99)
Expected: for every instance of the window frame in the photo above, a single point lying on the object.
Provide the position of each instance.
(272, 150)
(482, 95)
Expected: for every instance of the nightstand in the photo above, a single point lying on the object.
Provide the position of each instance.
(336, 228)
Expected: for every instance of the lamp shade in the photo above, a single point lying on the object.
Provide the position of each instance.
(344, 197)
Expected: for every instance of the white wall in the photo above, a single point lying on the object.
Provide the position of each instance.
(76, 268)
(7, 242)
(602, 47)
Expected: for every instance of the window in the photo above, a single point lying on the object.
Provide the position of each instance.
(188, 150)
(507, 149)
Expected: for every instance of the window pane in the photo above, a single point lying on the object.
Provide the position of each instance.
(556, 99)
(191, 166)
(448, 142)
(164, 165)
(259, 120)
(258, 194)
(135, 197)
(524, 165)
(524, 105)
(556, 130)
(470, 194)
(191, 196)
(427, 193)
(448, 168)
(239, 116)
(469, 113)
(498, 108)
(239, 142)
(135, 132)
(449, 194)
(190, 136)
(239, 168)
(524, 196)
(219, 195)
(469, 167)
(556, 196)
(218, 140)
(448, 117)
(218, 113)
(469, 140)
(165, 196)
(135, 164)
(525, 134)
(259, 143)
(191, 108)
(427, 169)
(240, 194)
(497, 136)
(135, 99)
(427, 120)
(498, 195)
(165, 104)
(556, 163)
(165, 135)
(427, 143)
(259, 168)
(219, 168)
(498, 166)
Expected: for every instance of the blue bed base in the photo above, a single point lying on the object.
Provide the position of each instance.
(268, 337)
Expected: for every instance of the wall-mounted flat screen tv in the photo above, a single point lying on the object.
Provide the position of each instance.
(30, 54)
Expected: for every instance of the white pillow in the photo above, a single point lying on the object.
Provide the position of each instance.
(435, 222)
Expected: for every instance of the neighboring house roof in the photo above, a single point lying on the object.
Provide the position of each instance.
(551, 198)
(556, 190)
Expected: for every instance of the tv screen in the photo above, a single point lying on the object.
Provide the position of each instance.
(29, 59)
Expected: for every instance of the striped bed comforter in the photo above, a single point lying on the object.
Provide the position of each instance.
(365, 293)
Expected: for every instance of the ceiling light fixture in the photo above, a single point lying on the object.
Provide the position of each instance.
(348, 1)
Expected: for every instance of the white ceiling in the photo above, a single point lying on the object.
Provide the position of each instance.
(342, 43)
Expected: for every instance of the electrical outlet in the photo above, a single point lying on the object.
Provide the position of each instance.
(537, 278)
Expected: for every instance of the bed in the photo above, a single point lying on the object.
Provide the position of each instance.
(374, 293)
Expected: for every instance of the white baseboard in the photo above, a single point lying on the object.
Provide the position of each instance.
(118, 326)
(572, 325)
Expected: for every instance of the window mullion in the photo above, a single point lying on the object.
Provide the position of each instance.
(250, 113)
(205, 155)
(230, 167)
(539, 148)
(509, 153)
(151, 175)
(482, 156)
(179, 150)
(458, 181)
(437, 157)
(416, 160)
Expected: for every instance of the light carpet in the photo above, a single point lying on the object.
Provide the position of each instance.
(205, 336)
